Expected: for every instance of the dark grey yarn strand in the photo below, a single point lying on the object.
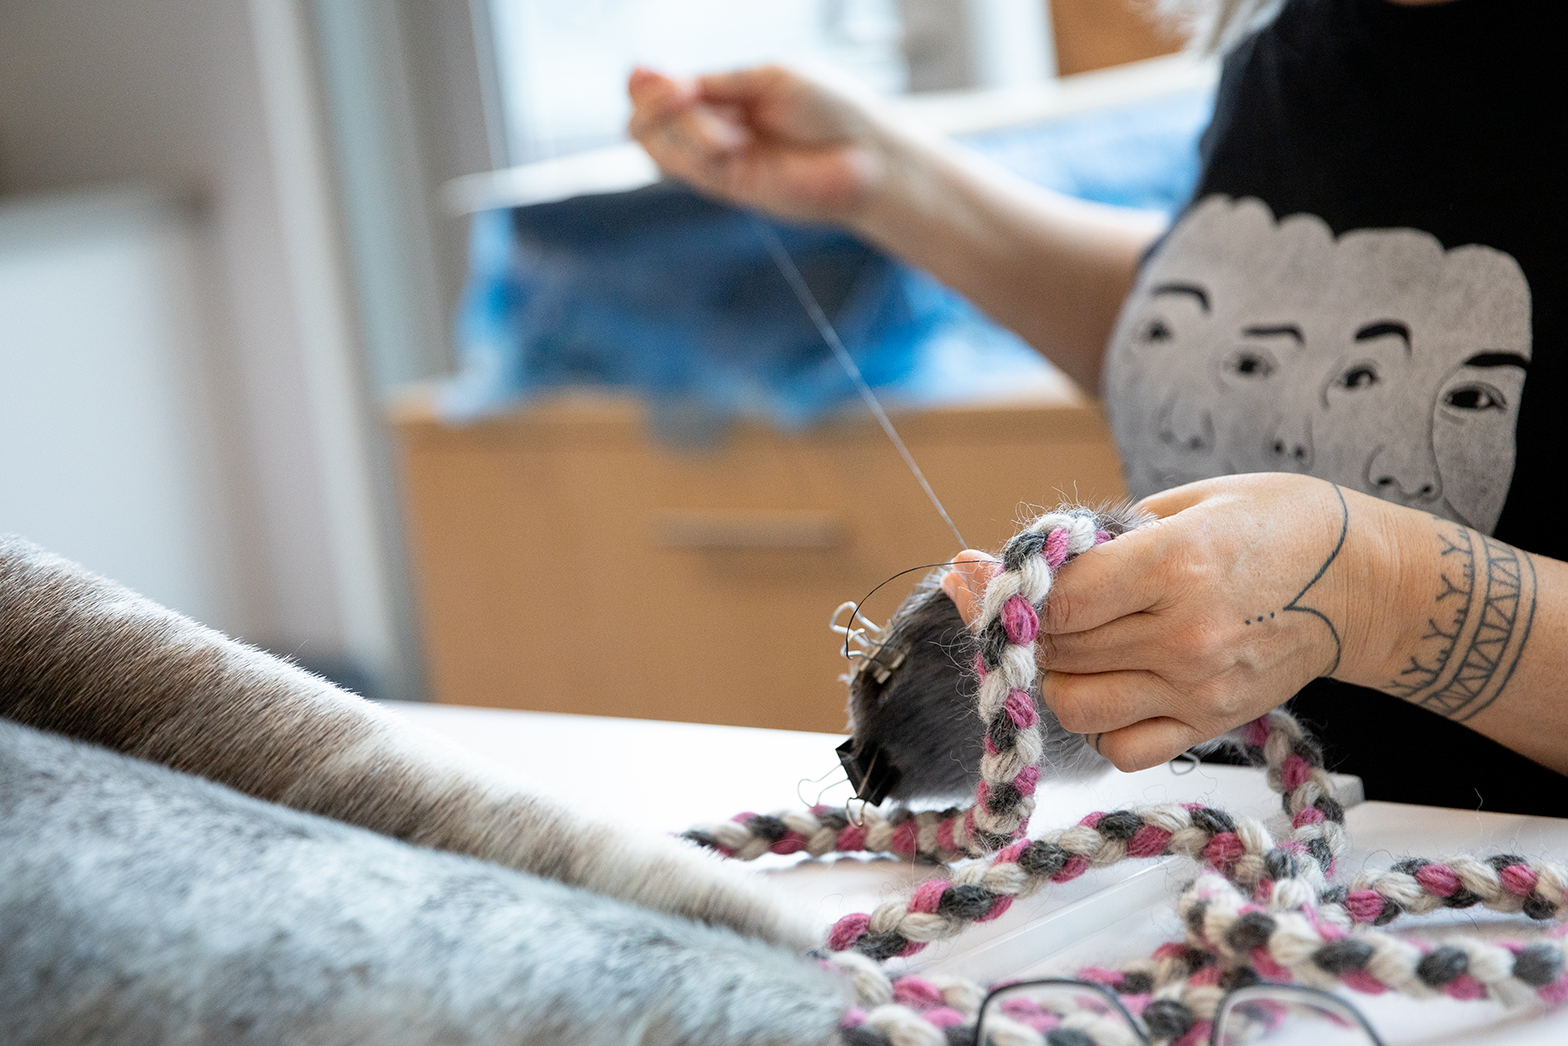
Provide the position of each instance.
(808, 301)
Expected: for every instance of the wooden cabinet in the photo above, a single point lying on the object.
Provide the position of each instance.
(567, 563)
(1098, 34)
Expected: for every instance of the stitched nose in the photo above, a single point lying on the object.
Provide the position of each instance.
(1290, 447)
(1188, 430)
(1392, 485)
(1409, 477)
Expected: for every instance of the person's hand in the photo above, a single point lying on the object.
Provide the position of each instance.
(766, 137)
(1239, 594)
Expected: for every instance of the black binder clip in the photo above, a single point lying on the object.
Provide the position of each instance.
(872, 775)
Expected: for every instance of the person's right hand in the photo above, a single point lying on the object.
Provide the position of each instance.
(767, 138)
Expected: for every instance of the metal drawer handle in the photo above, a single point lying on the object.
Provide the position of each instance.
(723, 528)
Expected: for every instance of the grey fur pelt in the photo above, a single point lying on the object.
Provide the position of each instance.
(85, 657)
(144, 907)
(912, 694)
(919, 714)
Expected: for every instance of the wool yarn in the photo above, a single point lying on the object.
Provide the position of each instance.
(1282, 926)
(1297, 944)
(1502, 882)
(1242, 848)
(1006, 628)
(1261, 909)
(1008, 622)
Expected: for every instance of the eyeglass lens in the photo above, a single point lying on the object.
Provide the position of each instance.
(1076, 1013)
(1056, 1013)
(1285, 1016)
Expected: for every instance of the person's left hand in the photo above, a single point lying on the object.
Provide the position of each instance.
(1238, 595)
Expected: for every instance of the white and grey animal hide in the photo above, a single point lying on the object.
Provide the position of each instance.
(144, 907)
(85, 658)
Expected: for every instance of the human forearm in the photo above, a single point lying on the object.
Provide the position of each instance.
(1468, 628)
(1246, 588)
(1050, 267)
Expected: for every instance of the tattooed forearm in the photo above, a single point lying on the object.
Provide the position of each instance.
(1482, 611)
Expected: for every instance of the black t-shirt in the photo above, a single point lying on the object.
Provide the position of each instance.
(1369, 286)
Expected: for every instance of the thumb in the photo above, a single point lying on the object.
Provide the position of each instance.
(966, 580)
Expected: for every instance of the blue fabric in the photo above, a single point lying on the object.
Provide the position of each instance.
(1143, 155)
(676, 297)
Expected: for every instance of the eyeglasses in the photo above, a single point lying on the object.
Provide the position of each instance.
(1061, 1012)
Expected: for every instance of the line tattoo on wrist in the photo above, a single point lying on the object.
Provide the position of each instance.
(1483, 611)
(1296, 606)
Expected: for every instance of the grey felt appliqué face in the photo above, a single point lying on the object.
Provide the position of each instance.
(1376, 359)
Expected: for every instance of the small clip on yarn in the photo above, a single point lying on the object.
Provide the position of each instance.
(872, 776)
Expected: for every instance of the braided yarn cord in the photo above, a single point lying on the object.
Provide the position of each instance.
(1005, 630)
(1242, 849)
(1006, 627)
(1261, 909)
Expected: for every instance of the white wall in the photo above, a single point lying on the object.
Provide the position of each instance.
(167, 93)
(109, 432)
(563, 66)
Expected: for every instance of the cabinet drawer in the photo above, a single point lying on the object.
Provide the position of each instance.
(566, 563)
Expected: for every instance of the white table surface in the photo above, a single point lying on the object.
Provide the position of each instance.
(666, 777)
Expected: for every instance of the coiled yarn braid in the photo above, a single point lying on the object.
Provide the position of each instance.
(1242, 849)
(1300, 945)
(1503, 883)
(1262, 910)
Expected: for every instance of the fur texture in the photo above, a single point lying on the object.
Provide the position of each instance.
(85, 657)
(912, 697)
(912, 701)
(143, 906)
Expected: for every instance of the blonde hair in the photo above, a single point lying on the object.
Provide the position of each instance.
(1215, 26)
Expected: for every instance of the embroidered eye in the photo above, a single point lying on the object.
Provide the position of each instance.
(1249, 363)
(1475, 396)
(1361, 376)
(1154, 332)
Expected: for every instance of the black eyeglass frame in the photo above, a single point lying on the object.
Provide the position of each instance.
(1227, 1002)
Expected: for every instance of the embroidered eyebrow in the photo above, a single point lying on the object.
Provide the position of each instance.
(1498, 359)
(1377, 330)
(1183, 288)
(1289, 329)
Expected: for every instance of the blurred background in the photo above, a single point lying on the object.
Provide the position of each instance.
(242, 243)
